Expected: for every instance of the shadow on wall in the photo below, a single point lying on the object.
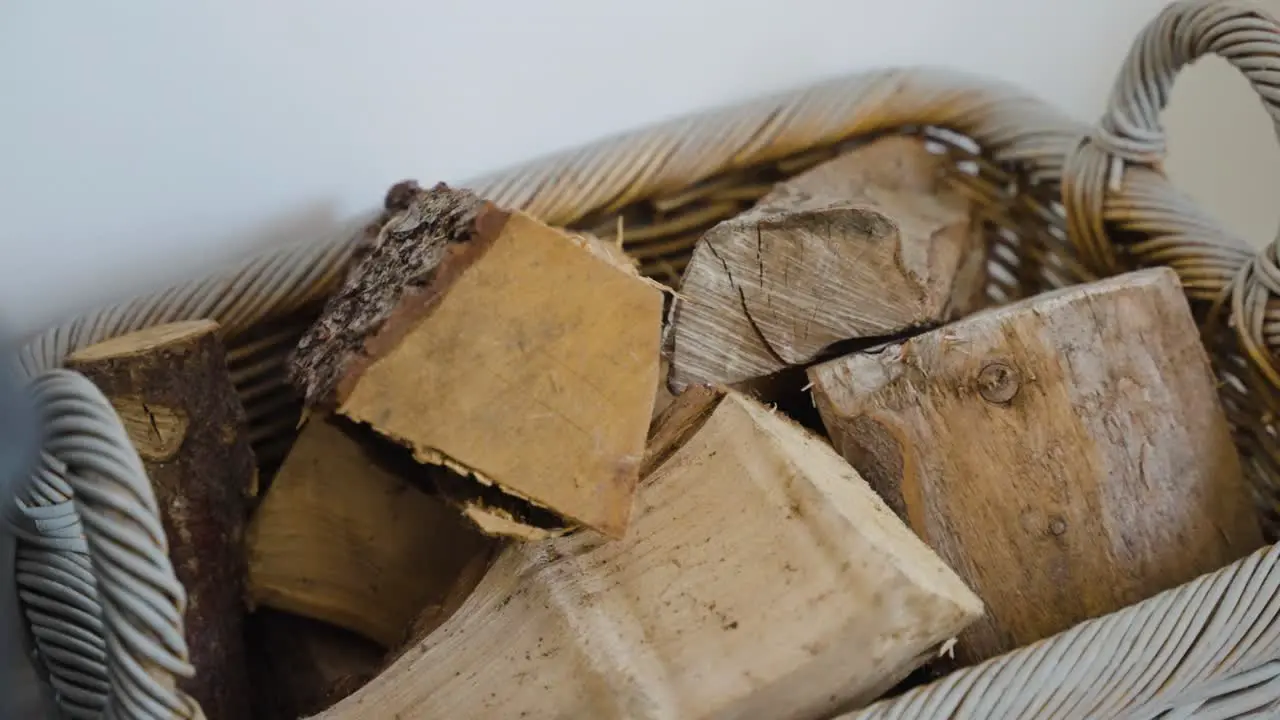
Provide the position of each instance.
(315, 221)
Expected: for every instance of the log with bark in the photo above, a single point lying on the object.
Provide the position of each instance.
(174, 395)
(350, 534)
(761, 578)
(868, 245)
(522, 357)
(1067, 455)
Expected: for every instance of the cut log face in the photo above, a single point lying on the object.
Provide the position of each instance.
(761, 578)
(1067, 455)
(344, 538)
(171, 387)
(513, 353)
(867, 245)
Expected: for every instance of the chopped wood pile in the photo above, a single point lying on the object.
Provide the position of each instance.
(525, 488)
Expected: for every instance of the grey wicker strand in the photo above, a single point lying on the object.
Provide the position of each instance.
(58, 591)
(1013, 129)
(1239, 32)
(1130, 133)
(89, 459)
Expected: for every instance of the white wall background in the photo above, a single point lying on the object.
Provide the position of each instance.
(141, 141)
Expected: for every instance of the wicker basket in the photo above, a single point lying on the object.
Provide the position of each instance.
(1064, 203)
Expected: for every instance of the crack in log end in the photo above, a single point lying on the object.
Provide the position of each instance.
(452, 481)
(746, 312)
(463, 487)
(467, 493)
(157, 432)
(151, 418)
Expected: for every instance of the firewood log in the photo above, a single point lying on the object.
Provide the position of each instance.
(1066, 455)
(347, 537)
(522, 357)
(761, 578)
(174, 395)
(868, 245)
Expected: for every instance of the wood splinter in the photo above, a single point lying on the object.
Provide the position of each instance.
(522, 357)
(761, 578)
(1067, 455)
(866, 246)
(171, 388)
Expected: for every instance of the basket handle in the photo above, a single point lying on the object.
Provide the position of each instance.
(1130, 132)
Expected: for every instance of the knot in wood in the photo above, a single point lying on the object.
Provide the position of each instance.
(998, 382)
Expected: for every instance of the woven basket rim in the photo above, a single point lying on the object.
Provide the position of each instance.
(1013, 127)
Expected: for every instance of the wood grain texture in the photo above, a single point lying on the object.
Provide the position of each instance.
(344, 536)
(1067, 455)
(515, 354)
(172, 390)
(761, 578)
(867, 245)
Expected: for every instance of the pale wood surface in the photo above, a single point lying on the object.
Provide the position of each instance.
(761, 578)
(173, 392)
(867, 245)
(535, 372)
(1067, 455)
(511, 352)
(346, 539)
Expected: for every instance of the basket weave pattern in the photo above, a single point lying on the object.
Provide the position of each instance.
(1063, 203)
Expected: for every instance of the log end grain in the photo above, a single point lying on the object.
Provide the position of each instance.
(864, 247)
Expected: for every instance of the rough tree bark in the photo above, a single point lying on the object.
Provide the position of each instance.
(171, 388)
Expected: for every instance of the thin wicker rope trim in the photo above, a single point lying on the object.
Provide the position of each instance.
(1190, 652)
(1231, 659)
(137, 599)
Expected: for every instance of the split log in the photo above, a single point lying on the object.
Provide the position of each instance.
(173, 392)
(520, 356)
(1067, 455)
(344, 536)
(868, 245)
(302, 666)
(761, 578)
